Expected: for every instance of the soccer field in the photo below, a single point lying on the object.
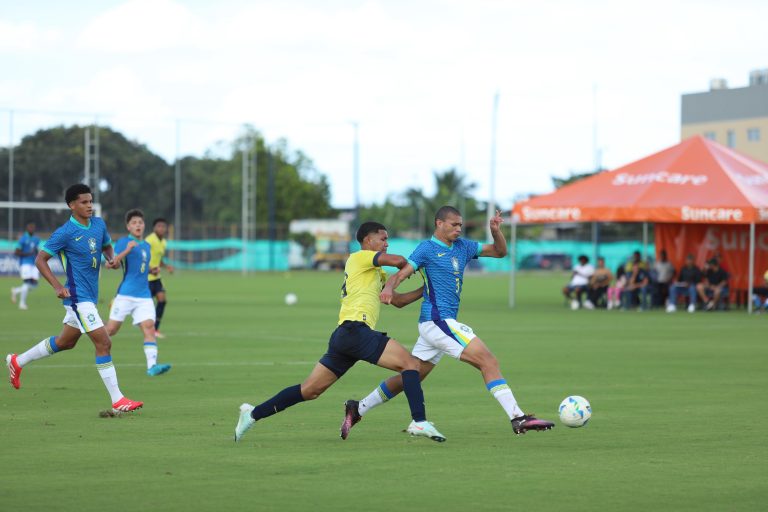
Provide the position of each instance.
(678, 423)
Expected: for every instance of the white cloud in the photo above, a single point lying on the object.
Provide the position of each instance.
(25, 36)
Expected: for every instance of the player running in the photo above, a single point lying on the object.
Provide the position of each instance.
(442, 261)
(79, 243)
(133, 296)
(355, 340)
(26, 250)
(158, 242)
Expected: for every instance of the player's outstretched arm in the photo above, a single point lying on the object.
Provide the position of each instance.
(393, 282)
(498, 249)
(400, 300)
(41, 262)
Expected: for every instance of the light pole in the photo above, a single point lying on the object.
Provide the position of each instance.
(492, 178)
(177, 187)
(356, 171)
(10, 174)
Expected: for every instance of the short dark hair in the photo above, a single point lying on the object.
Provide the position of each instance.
(583, 257)
(75, 190)
(444, 211)
(159, 220)
(133, 213)
(366, 228)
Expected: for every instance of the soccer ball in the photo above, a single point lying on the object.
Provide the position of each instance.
(575, 411)
(291, 299)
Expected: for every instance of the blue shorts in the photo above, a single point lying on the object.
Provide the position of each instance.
(352, 342)
(156, 287)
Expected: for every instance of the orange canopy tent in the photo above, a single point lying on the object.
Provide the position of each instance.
(705, 199)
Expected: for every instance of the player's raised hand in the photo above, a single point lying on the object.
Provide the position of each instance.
(496, 220)
(132, 244)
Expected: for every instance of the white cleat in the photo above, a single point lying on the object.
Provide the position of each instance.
(692, 308)
(671, 308)
(244, 422)
(425, 429)
(23, 307)
(13, 295)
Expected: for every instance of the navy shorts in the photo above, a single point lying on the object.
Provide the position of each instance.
(156, 287)
(352, 342)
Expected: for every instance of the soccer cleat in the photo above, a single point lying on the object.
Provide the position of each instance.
(23, 307)
(574, 304)
(126, 405)
(244, 422)
(159, 335)
(691, 307)
(14, 370)
(351, 417)
(523, 424)
(158, 369)
(425, 429)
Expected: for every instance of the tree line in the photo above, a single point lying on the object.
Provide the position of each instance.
(288, 186)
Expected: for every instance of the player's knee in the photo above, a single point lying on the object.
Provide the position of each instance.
(312, 392)
(411, 363)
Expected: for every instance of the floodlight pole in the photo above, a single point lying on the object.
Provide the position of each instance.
(513, 262)
(10, 174)
(244, 211)
(356, 171)
(177, 186)
(492, 177)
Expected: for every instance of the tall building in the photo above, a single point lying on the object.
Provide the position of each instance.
(737, 118)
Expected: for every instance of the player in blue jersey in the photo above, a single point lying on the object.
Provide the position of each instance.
(79, 243)
(441, 262)
(133, 295)
(26, 250)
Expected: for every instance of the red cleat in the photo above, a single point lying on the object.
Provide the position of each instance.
(126, 405)
(14, 370)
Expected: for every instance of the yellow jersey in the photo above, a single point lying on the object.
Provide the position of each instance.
(156, 253)
(363, 281)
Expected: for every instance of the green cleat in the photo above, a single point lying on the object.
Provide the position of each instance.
(244, 422)
(425, 429)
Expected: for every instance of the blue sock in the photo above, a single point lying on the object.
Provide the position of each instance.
(415, 395)
(284, 399)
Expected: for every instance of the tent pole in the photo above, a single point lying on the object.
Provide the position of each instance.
(645, 241)
(751, 280)
(595, 234)
(512, 265)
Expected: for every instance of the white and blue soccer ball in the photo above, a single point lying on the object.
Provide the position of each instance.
(291, 299)
(575, 411)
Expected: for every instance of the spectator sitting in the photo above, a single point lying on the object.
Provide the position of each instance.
(760, 294)
(598, 284)
(689, 278)
(715, 280)
(665, 272)
(614, 292)
(579, 281)
(636, 289)
(636, 258)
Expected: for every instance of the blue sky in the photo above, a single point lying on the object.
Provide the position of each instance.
(418, 76)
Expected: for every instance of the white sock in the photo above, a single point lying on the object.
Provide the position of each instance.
(503, 394)
(150, 350)
(376, 397)
(23, 294)
(109, 376)
(45, 348)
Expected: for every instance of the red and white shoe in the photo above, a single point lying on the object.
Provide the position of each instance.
(159, 335)
(126, 405)
(14, 371)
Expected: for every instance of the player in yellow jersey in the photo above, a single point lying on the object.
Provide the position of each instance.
(157, 243)
(356, 340)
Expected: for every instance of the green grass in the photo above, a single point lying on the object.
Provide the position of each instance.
(678, 400)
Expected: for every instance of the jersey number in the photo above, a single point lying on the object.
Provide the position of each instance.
(344, 286)
(93, 263)
(458, 286)
(143, 267)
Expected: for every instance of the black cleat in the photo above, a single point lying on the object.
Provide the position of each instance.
(523, 424)
(351, 417)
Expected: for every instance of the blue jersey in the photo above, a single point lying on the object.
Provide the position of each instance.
(28, 244)
(442, 268)
(135, 269)
(79, 249)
